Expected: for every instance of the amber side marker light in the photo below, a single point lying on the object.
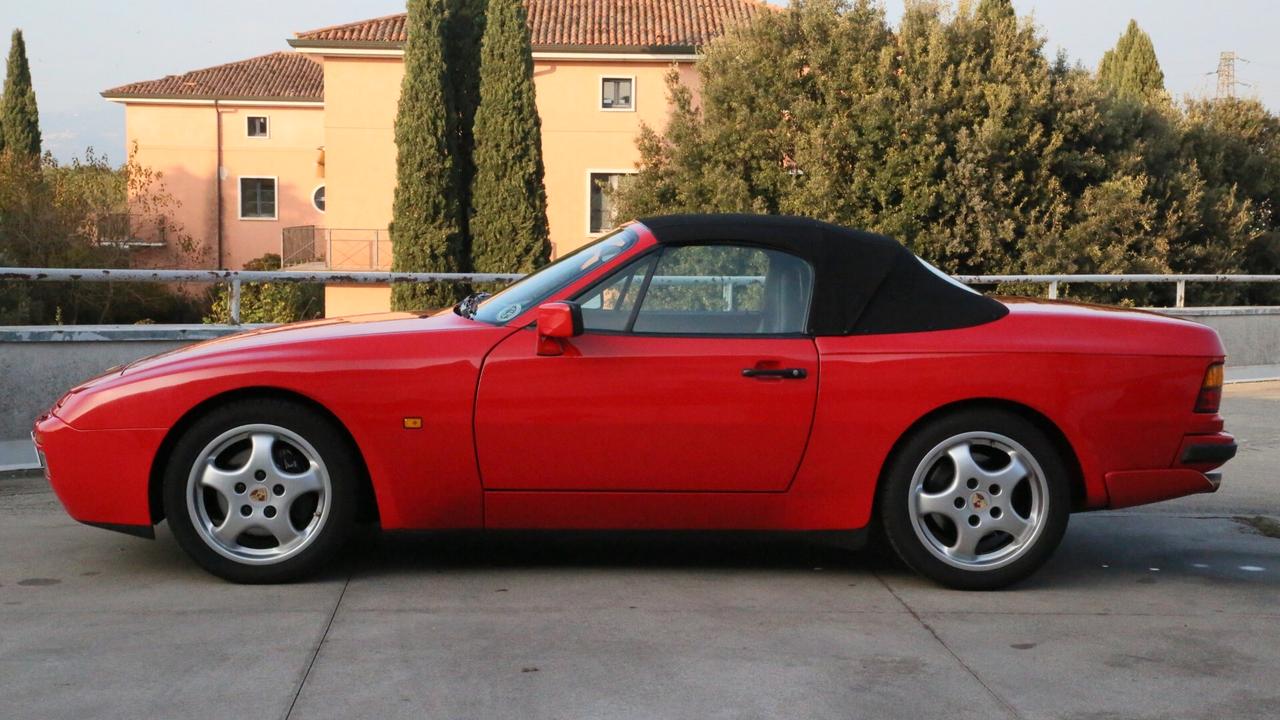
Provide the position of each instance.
(413, 423)
(1210, 397)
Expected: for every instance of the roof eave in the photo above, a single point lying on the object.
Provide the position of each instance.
(126, 97)
(305, 44)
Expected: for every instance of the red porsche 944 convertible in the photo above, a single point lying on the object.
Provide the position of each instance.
(684, 372)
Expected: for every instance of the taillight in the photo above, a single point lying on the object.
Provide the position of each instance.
(1210, 397)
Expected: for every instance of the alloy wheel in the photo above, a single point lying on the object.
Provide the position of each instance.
(258, 494)
(978, 501)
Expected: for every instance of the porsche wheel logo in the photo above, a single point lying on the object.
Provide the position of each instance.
(978, 501)
(258, 494)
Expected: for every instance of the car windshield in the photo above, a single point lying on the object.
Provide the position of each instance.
(537, 287)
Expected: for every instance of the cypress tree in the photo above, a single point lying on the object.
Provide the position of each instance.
(19, 118)
(426, 227)
(1131, 68)
(509, 202)
(464, 30)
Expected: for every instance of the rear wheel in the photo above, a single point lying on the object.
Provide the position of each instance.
(261, 491)
(976, 500)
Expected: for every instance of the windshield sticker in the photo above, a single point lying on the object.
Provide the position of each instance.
(509, 312)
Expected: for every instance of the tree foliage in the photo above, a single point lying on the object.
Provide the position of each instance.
(955, 134)
(53, 215)
(464, 31)
(1131, 68)
(509, 202)
(19, 116)
(469, 192)
(427, 213)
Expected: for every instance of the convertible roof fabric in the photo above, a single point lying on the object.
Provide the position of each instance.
(864, 284)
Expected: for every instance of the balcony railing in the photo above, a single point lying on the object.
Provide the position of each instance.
(315, 248)
(131, 230)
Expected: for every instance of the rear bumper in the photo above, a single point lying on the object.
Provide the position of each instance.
(1200, 454)
(1190, 475)
(102, 477)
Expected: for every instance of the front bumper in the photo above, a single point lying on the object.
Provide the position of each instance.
(102, 477)
(1190, 474)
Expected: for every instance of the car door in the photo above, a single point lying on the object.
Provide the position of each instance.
(693, 373)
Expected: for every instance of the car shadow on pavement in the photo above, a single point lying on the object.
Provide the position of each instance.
(1100, 551)
(390, 553)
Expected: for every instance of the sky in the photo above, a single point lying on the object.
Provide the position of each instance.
(78, 48)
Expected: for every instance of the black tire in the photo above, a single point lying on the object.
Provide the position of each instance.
(334, 451)
(897, 502)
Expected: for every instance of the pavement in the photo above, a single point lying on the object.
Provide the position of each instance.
(1170, 611)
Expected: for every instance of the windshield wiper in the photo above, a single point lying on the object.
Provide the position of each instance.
(467, 308)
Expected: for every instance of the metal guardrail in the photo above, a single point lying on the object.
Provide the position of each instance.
(235, 278)
(1053, 281)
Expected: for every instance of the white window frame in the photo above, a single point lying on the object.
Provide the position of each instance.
(600, 93)
(590, 188)
(313, 197)
(266, 136)
(240, 198)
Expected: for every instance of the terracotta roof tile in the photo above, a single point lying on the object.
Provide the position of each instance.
(279, 76)
(648, 24)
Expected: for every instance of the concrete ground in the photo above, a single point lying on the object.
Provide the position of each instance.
(1171, 611)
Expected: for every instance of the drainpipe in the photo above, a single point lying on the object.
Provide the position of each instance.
(217, 182)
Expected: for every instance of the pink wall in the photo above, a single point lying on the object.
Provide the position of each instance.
(181, 142)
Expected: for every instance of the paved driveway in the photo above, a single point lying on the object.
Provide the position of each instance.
(1167, 612)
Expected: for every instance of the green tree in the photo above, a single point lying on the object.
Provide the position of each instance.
(954, 134)
(1131, 68)
(1235, 146)
(509, 202)
(426, 228)
(464, 32)
(19, 116)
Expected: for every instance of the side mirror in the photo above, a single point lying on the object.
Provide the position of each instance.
(557, 322)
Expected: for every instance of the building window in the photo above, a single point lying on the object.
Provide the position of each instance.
(258, 127)
(257, 198)
(603, 216)
(317, 198)
(616, 93)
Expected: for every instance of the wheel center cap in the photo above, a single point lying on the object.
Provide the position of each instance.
(978, 501)
(258, 494)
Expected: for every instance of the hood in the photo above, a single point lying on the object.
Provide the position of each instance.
(328, 329)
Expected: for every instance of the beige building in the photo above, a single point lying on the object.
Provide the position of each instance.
(294, 152)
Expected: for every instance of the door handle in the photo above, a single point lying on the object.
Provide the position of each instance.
(781, 373)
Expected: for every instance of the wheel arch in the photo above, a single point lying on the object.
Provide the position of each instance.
(368, 509)
(1041, 421)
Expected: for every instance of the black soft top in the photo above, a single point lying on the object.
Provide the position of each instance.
(864, 283)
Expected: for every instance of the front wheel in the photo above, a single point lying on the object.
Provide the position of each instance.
(261, 491)
(976, 500)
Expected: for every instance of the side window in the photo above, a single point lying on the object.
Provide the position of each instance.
(726, 290)
(608, 304)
